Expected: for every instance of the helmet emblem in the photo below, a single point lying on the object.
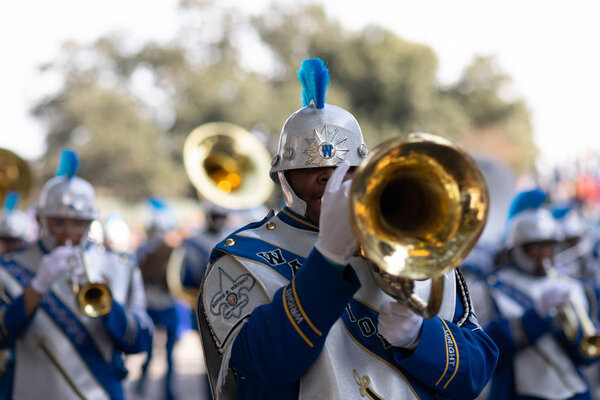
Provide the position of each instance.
(325, 149)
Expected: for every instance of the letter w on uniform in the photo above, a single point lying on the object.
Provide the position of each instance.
(272, 257)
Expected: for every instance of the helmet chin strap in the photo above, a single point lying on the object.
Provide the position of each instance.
(292, 201)
(47, 238)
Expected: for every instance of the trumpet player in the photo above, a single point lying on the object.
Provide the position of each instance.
(286, 310)
(60, 352)
(525, 302)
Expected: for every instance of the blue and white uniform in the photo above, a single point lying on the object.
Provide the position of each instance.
(286, 325)
(59, 352)
(536, 360)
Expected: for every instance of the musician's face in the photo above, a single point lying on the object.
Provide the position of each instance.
(309, 184)
(67, 229)
(538, 252)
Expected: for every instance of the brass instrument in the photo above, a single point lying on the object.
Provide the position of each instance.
(228, 166)
(573, 317)
(94, 298)
(176, 288)
(15, 174)
(418, 206)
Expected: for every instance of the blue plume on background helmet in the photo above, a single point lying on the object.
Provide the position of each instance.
(559, 212)
(10, 201)
(527, 200)
(314, 77)
(158, 204)
(68, 164)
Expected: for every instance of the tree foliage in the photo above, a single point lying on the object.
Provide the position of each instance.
(127, 112)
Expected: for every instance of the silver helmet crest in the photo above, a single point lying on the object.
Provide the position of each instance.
(317, 135)
(67, 195)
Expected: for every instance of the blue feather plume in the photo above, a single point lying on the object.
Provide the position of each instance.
(527, 200)
(314, 76)
(559, 212)
(11, 200)
(68, 164)
(158, 204)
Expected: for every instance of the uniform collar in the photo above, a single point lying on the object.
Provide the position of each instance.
(295, 220)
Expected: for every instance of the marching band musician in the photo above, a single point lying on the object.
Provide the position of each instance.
(198, 247)
(153, 257)
(286, 311)
(60, 352)
(522, 308)
(578, 254)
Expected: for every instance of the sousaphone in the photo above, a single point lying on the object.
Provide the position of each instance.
(15, 175)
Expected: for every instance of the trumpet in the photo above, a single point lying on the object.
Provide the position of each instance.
(418, 206)
(93, 298)
(572, 317)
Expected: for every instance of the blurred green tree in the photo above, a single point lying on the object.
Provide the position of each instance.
(128, 111)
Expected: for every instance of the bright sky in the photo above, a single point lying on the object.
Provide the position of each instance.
(548, 48)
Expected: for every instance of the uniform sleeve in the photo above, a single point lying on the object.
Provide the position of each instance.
(454, 361)
(193, 266)
(13, 321)
(515, 334)
(281, 339)
(128, 324)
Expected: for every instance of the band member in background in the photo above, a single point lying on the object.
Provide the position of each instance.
(60, 352)
(117, 234)
(198, 247)
(153, 258)
(522, 308)
(286, 311)
(15, 226)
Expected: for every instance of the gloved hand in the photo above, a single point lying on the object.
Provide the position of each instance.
(399, 325)
(554, 294)
(53, 265)
(336, 239)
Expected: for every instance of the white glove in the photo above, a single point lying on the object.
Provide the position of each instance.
(53, 266)
(399, 325)
(336, 239)
(554, 294)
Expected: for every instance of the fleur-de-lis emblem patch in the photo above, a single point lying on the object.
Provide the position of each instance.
(231, 297)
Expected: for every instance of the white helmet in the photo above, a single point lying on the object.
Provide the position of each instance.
(533, 225)
(162, 218)
(317, 135)
(66, 195)
(14, 224)
(117, 234)
(573, 225)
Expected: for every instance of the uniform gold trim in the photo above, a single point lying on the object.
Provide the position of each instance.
(382, 360)
(447, 358)
(364, 383)
(289, 315)
(298, 219)
(457, 355)
(54, 360)
(308, 321)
